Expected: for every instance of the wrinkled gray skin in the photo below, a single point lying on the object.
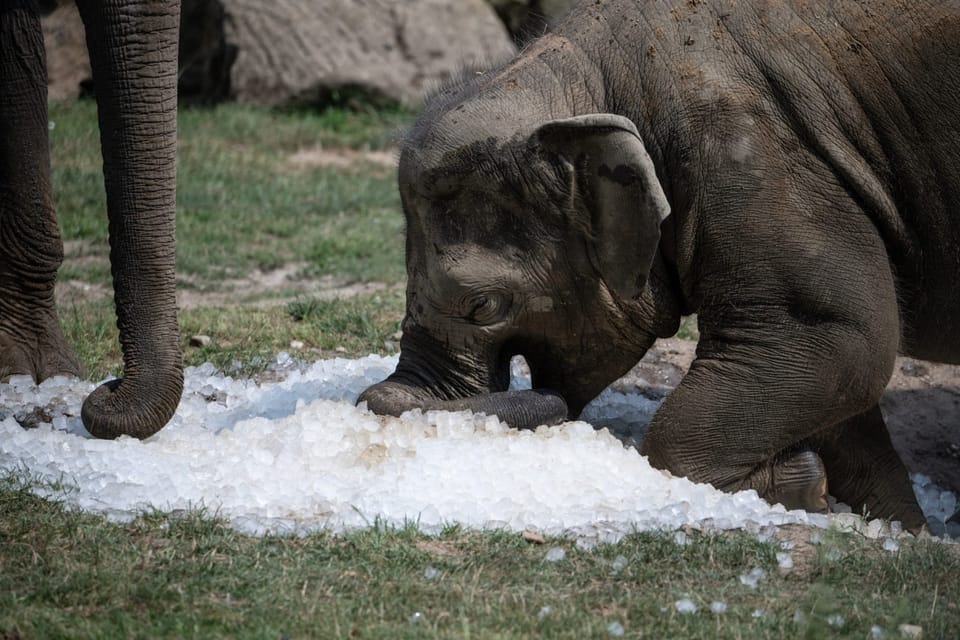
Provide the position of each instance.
(789, 171)
(133, 51)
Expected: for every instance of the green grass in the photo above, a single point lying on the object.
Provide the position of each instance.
(242, 203)
(68, 574)
(246, 339)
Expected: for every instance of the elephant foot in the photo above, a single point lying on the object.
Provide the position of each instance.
(866, 472)
(796, 479)
(35, 346)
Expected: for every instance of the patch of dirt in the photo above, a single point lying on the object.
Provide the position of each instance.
(921, 405)
(438, 547)
(260, 289)
(343, 158)
(72, 292)
(255, 289)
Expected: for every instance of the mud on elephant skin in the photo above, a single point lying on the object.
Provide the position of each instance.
(789, 171)
(133, 51)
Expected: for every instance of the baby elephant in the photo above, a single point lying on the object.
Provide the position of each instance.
(789, 170)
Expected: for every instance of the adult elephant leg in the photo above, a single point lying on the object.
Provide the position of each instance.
(133, 52)
(31, 250)
(866, 472)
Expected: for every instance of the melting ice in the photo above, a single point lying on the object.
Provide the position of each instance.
(294, 455)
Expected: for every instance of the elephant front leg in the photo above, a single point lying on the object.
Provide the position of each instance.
(867, 473)
(31, 341)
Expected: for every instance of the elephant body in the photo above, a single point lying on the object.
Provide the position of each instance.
(788, 170)
(133, 51)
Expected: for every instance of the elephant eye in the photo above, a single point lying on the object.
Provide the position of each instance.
(484, 308)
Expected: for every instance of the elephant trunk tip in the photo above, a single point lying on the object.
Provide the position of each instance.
(389, 399)
(526, 409)
(131, 407)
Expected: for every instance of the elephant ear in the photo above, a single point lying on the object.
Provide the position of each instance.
(615, 194)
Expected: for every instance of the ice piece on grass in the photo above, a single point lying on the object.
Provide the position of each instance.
(753, 577)
(685, 605)
(555, 554)
(835, 620)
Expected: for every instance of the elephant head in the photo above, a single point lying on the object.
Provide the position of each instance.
(133, 53)
(543, 245)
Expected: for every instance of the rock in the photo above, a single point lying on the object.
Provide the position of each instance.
(532, 536)
(912, 631)
(68, 65)
(309, 51)
(200, 341)
(527, 19)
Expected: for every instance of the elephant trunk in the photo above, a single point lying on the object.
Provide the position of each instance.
(526, 409)
(133, 52)
(429, 377)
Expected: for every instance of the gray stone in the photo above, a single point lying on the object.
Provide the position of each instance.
(308, 51)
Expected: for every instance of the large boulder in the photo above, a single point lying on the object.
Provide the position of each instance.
(68, 66)
(287, 51)
(528, 19)
(304, 51)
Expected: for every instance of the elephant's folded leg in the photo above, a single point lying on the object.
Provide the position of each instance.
(765, 383)
(865, 471)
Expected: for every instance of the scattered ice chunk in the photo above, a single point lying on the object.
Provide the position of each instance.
(891, 545)
(874, 528)
(680, 537)
(766, 532)
(784, 560)
(876, 632)
(431, 573)
(752, 577)
(544, 612)
(619, 563)
(555, 554)
(758, 613)
(685, 605)
(835, 620)
(718, 606)
(799, 617)
(415, 617)
(615, 629)
(585, 543)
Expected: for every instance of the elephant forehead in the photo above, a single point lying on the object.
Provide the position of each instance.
(494, 220)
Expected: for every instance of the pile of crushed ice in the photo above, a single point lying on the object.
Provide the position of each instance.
(294, 455)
